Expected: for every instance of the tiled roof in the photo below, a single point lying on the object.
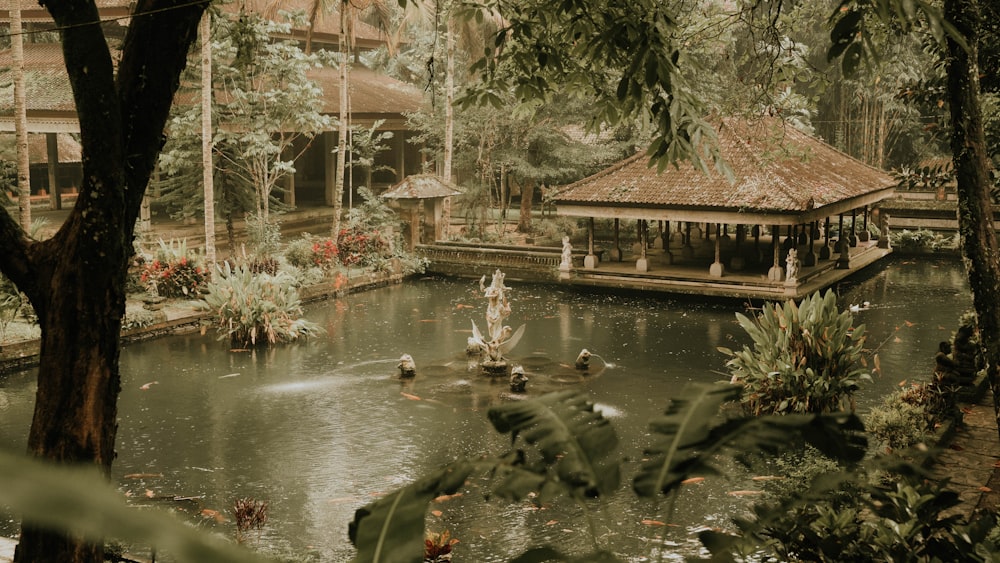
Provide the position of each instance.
(45, 78)
(421, 186)
(47, 86)
(326, 28)
(371, 93)
(776, 168)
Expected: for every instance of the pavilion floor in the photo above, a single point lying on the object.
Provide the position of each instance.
(692, 276)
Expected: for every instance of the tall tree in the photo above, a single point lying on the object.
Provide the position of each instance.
(205, 32)
(959, 28)
(76, 279)
(20, 117)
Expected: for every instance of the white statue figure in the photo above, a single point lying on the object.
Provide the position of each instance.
(567, 255)
(792, 264)
(499, 338)
(407, 367)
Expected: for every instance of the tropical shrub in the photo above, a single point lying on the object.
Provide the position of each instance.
(256, 309)
(313, 252)
(11, 303)
(362, 248)
(803, 358)
(907, 417)
(173, 271)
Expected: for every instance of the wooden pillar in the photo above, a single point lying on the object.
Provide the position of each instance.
(52, 149)
(864, 236)
(738, 261)
(590, 261)
(854, 236)
(642, 263)
(716, 269)
(668, 257)
(400, 143)
(810, 258)
(329, 168)
(687, 251)
(776, 273)
(824, 252)
(616, 249)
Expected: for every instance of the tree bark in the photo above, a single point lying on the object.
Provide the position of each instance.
(21, 117)
(338, 192)
(76, 279)
(975, 207)
(208, 171)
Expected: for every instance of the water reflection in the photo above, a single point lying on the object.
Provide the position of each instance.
(321, 428)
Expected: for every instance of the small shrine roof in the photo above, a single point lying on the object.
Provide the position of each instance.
(422, 186)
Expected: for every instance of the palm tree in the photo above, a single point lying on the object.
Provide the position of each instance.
(21, 118)
(205, 30)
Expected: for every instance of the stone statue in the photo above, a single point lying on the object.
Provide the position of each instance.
(883, 236)
(966, 353)
(567, 255)
(497, 307)
(583, 360)
(518, 381)
(792, 265)
(407, 367)
(499, 338)
(945, 368)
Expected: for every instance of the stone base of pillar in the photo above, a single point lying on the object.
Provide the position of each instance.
(809, 259)
(776, 273)
(716, 270)
(642, 265)
(863, 236)
(824, 252)
(615, 254)
(590, 261)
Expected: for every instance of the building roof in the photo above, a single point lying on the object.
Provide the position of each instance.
(780, 176)
(326, 28)
(51, 107)
(422, 186)
(33, 12)
(372, 94)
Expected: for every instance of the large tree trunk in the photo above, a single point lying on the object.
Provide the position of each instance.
(76, 279)
(975, 208)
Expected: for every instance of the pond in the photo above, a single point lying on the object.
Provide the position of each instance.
(321, 428)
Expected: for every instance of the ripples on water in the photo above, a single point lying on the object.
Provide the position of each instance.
(321, 428)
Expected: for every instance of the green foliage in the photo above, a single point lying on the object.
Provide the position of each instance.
(803, 358)
(265, 102)
(80, 500)
(840, 518)
(624, 56)
(173, 271)
(11, 303)
(909, 416)
(256, 309)
(562, 447)
(921, 239)
(264, 234)
(312, 252)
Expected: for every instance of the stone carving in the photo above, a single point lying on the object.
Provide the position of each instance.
(583, 360)
(407, 367)
(499, 339)
(792, 265)
(518, 381)
(567, 255)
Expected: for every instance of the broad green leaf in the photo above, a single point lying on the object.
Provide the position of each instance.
(568, 434)
(80, 501)
(391, 529)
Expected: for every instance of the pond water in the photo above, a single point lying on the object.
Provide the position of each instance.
(321, 428)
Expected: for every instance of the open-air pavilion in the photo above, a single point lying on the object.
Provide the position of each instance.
(763, 232)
